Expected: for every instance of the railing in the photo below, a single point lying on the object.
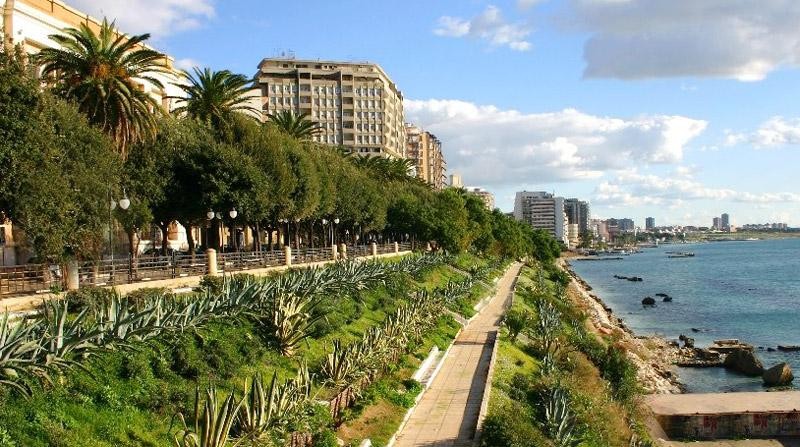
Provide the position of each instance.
(305, 255)
(40, 278)
(29, 278)
(247, 260)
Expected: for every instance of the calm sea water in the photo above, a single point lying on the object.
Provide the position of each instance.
(748, 290)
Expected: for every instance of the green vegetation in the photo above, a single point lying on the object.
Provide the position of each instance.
(107, 371)
(556, 383)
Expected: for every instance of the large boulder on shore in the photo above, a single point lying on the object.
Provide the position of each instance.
(778, 375)
(745, 362)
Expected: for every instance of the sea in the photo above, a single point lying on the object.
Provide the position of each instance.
(749, 290)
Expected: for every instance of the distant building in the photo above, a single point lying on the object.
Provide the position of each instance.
(573, 235)
(578, 213)
(455, 181)
(599, 229)
(544, 211)
(716, 223)
(486, 196)
(425, 150)
(356, 104)
(725, 222)
(650, 223)
(623, 225)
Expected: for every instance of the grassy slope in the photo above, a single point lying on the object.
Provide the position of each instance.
(604, 420)
(379, 421)
(131, 399)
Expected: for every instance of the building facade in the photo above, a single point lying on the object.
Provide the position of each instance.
(543, 211)
(356, 105)
(30, 23)
(578, 213)
(486, 196)
(725, 222)
(425, 150)
(456, 181)
(650, 223)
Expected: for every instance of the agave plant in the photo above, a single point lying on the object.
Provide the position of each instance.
(66, 340)
(559, 421)
(212, 424)
(548, 326)
(19, 346)
(340, 365)
(265, 408)
(292, 319)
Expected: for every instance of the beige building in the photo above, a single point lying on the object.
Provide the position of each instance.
(573, 235)
(486, 196)
(356, 104)
(30, 23)
(456, 181)
(425, 150)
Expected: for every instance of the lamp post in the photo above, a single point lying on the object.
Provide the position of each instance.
(233, 213)
(324, 239)
(297, 233)
(333, 237)
(210, 216)
(124, 203)
(286, 236)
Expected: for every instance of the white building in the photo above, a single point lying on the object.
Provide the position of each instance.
(544, 211)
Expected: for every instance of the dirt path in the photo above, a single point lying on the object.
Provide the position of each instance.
(447, 415)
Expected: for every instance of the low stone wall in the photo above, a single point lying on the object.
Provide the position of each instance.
(731, 425)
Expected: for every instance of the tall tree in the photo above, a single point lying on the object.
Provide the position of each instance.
(297, 126)
(103, 73)
(215, 97)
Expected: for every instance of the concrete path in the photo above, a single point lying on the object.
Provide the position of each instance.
(447, 414)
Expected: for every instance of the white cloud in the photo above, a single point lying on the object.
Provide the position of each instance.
(495, 147)
(187, 64)
(527, 4)
(635, 189)
(157, 17)
(489, 26)
(776, 131)
(738, 39)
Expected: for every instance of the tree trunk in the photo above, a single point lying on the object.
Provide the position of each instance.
(190, 240)
(164, 237)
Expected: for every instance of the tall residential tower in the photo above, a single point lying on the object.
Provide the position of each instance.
(544, 211)
(356, 104)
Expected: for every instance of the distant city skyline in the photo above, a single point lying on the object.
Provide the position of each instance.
(547, 95)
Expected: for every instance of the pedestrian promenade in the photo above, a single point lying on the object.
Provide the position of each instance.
(447, 414)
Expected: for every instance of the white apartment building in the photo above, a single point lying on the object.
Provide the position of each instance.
(356, 105)
(544, 211)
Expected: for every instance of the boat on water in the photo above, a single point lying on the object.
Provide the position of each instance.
(681, 254)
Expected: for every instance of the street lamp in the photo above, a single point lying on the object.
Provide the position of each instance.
(210, 215)
(124, 203)
(297, 233)
(233, 213)
(325, 239)
(333, 234)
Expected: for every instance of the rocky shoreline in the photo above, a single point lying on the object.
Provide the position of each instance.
(654, 356)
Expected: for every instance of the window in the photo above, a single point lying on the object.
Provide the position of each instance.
(272, 100)
(338, 90)
(328, 90)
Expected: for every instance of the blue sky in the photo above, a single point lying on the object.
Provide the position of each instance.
(677, 110)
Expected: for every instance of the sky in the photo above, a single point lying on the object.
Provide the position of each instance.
(676, 109)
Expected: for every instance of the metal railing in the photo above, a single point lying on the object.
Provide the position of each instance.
(30, 278)
(248, 260)
(41, 278)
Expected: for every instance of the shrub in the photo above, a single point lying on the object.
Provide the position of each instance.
(516, 321)
(620, 373)
(326, 438)
(141, 296)
(213, 284)
(5, 439)
(512, 426)
(88, 297)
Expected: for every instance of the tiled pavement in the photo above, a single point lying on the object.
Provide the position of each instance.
(447, 414)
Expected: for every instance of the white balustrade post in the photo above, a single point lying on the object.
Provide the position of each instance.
(334, 252)
(396, 247)
(287, 250)
(211, 262)
(343, 251)
(374, 249)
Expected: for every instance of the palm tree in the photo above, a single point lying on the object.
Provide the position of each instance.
(397, 169)
(215, 97)
(103, 74)
(298, 126)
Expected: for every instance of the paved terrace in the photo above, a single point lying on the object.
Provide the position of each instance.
(771, 417)
(447, 414)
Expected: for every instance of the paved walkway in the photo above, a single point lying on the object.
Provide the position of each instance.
(447, 414)
(724, 403)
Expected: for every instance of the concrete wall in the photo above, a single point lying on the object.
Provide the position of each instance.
(731, 425)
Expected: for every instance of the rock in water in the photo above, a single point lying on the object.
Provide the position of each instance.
(778, 375)
(667, 299)
(688, 342)
(745, 362)
(648, 301)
